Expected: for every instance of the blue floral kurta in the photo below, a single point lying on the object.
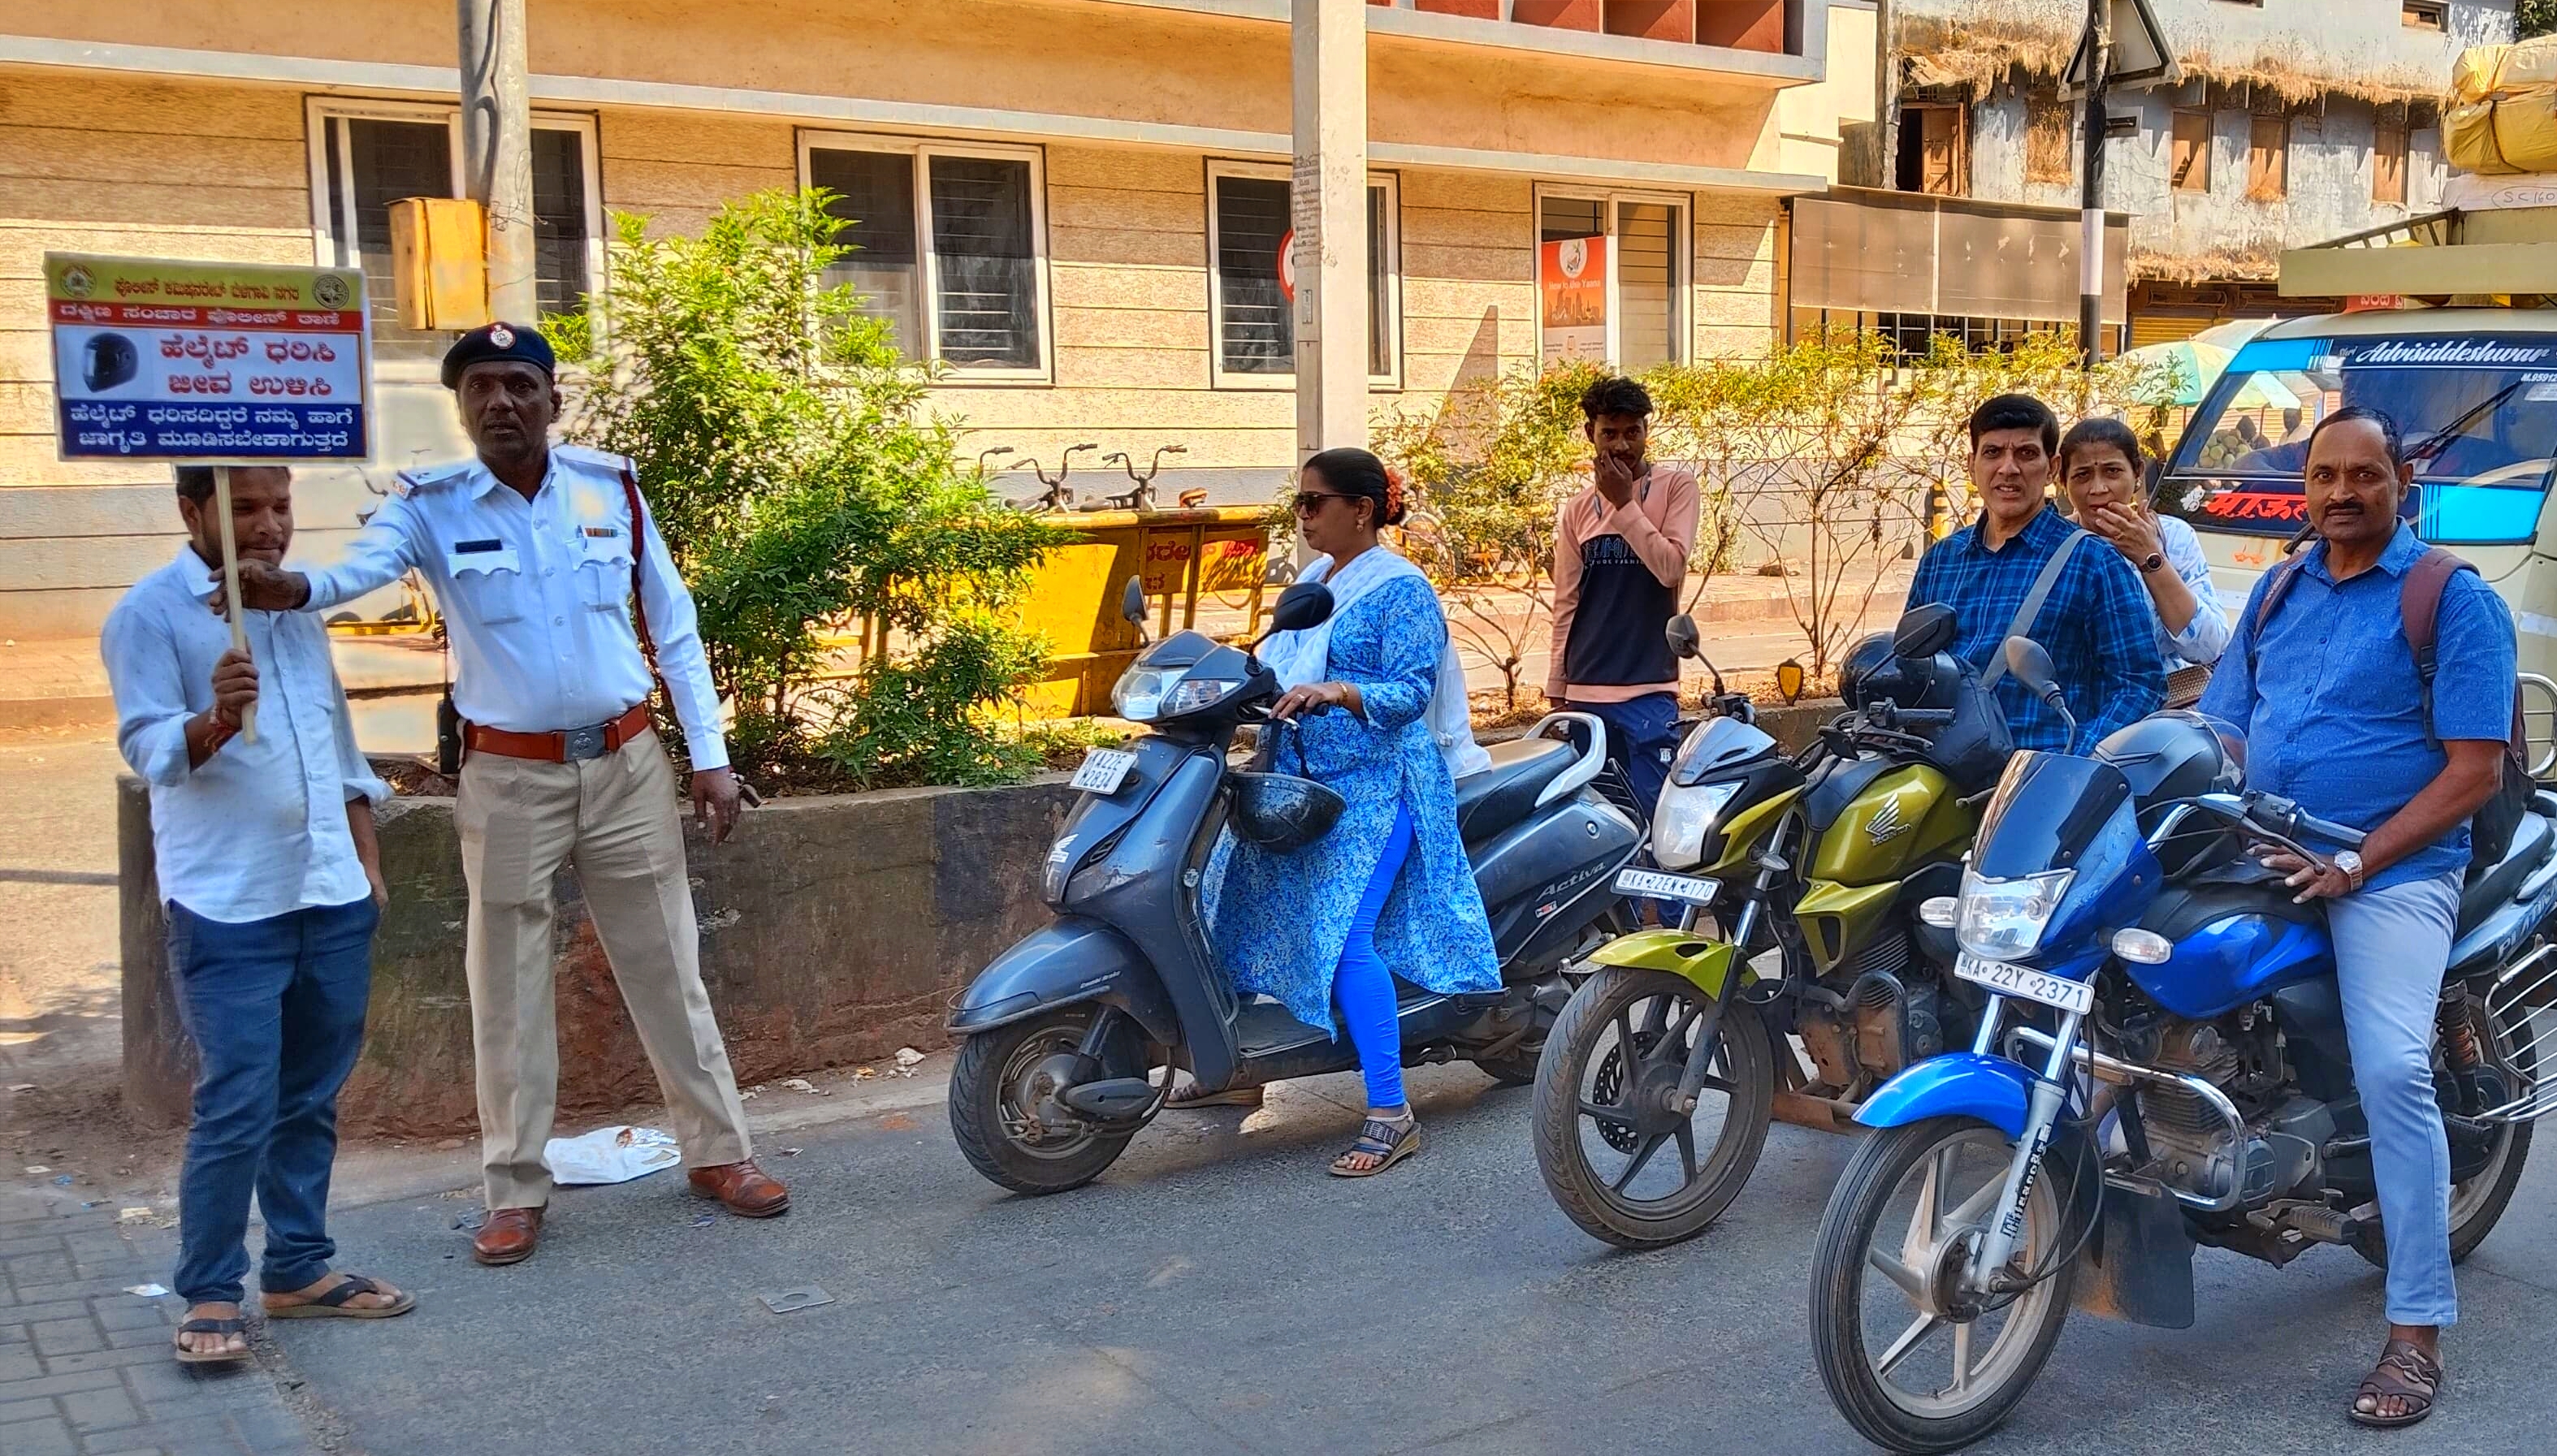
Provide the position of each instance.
(1281, 920)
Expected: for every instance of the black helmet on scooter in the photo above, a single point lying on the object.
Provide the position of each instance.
(1282, 813)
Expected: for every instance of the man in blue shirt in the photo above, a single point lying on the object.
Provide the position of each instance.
(2094, 619)
(2334, 711)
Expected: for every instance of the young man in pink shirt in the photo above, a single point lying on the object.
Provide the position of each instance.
(1619, 550)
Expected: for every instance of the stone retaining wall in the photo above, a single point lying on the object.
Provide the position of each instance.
(834, 930)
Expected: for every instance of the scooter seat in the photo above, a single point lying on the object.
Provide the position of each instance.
(2533, 841)
(1502, 794)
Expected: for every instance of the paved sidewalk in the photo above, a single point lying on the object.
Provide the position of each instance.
(84, 1364)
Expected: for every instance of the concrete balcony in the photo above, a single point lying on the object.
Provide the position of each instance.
(1767, 42)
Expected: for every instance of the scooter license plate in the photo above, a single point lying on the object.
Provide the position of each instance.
(1652, 885)
(2026, 983)
(1103, 770)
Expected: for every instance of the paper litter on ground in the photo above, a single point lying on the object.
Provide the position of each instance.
(615, 1154)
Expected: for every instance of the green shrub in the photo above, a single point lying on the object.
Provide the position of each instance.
(806, 495)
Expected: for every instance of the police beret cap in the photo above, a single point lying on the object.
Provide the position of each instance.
(494, 341)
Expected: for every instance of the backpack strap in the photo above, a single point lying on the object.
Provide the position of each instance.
(2419, 612)
(2273, 594)
(2022, 626)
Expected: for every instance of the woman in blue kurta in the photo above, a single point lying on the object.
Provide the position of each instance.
(1377, 705)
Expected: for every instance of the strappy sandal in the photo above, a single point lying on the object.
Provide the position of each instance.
(2405, 1373)
(1388, 1143)
(215, 1356)
(333, 1305)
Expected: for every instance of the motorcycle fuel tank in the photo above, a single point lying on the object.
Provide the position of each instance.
(1903, 819)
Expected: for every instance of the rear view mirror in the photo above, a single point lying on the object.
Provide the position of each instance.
(1305, 605)
(2029, 664)
(1131, 603)
(1925, 631)
(1683, 640)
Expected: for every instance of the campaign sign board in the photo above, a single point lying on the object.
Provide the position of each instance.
(161, 360)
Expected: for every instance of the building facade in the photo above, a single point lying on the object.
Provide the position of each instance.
(1075, 205)
(2296, 121)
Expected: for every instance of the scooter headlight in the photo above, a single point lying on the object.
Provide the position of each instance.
(1684, 817)
(2004, 919)
(1144, 694)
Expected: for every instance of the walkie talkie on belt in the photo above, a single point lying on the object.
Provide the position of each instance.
(448, 718)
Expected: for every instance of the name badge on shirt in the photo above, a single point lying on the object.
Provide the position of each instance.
(603, 533)
(480, 556)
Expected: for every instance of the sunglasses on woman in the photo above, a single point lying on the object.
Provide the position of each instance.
(1309, 501)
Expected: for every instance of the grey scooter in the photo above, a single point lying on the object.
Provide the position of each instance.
(1070, 1037)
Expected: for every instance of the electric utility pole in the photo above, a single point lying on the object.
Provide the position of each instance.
(2090, 200)
(497, 149)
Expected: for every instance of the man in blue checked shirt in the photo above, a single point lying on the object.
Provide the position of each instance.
(2094, 617)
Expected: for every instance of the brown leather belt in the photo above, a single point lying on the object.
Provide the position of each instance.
(568, 747)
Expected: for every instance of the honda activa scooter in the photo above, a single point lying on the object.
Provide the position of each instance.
(1070, 1037)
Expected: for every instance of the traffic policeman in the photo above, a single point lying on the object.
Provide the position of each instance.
(530, 552)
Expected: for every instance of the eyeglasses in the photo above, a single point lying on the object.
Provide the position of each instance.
(1309, 501)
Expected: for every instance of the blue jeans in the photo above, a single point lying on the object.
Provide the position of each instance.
(1365, 988)
(2390, 945)
(276, 1008)
(1642, 738)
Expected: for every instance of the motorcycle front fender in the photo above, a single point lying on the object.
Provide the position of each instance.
(1954, 1084)
(1068, 961)
(1681, 953)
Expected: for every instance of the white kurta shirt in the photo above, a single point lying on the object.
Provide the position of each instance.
(535, 596)
(260, 829)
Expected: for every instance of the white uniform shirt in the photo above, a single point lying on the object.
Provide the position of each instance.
(535, 596)
(260, 830)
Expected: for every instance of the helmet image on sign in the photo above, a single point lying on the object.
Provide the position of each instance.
(107, 360)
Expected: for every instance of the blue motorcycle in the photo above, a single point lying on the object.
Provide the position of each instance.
(2162, 1065)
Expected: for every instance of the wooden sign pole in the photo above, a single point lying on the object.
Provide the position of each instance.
(231, 585)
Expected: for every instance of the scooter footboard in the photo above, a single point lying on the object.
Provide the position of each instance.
(1068, 961)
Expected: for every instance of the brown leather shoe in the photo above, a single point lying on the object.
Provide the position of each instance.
(508, 1237)
(743, 1188)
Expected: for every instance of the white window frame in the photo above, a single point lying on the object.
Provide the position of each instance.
(325, 112)
(1683, 338)
(1389, 293)
(922, 150)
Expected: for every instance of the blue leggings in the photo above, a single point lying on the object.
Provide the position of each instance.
(1365, 988)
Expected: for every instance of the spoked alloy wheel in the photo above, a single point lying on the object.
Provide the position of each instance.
(1620, 1156)
(1004, 1109)
(1914, 1361)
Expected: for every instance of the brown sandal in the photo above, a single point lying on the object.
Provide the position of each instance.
(2405, 1373)
(1388, 1143)
(332, 1303)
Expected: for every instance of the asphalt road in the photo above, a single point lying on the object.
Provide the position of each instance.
(1216, 1292)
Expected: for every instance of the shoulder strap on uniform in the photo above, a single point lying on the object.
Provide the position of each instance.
(638, 556)
(2022, 626)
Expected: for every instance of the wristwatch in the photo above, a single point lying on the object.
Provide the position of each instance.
(2351, 863)
(2154, 559)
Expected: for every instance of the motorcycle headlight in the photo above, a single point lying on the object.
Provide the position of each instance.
(1144, 694)
(1683, 818)
(2004, 919)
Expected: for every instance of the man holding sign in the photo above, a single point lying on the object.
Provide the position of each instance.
(266, 859)
(538, 557)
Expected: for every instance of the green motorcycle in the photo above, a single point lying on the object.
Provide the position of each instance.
(1797, 977)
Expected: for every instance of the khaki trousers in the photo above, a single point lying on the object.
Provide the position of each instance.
(617, 820)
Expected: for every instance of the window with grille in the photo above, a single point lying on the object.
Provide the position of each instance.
(373, 155)
(948, 248)
(1250, 218)
(1647, 271)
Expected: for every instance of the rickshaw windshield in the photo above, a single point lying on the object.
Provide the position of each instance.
(2477, 416)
